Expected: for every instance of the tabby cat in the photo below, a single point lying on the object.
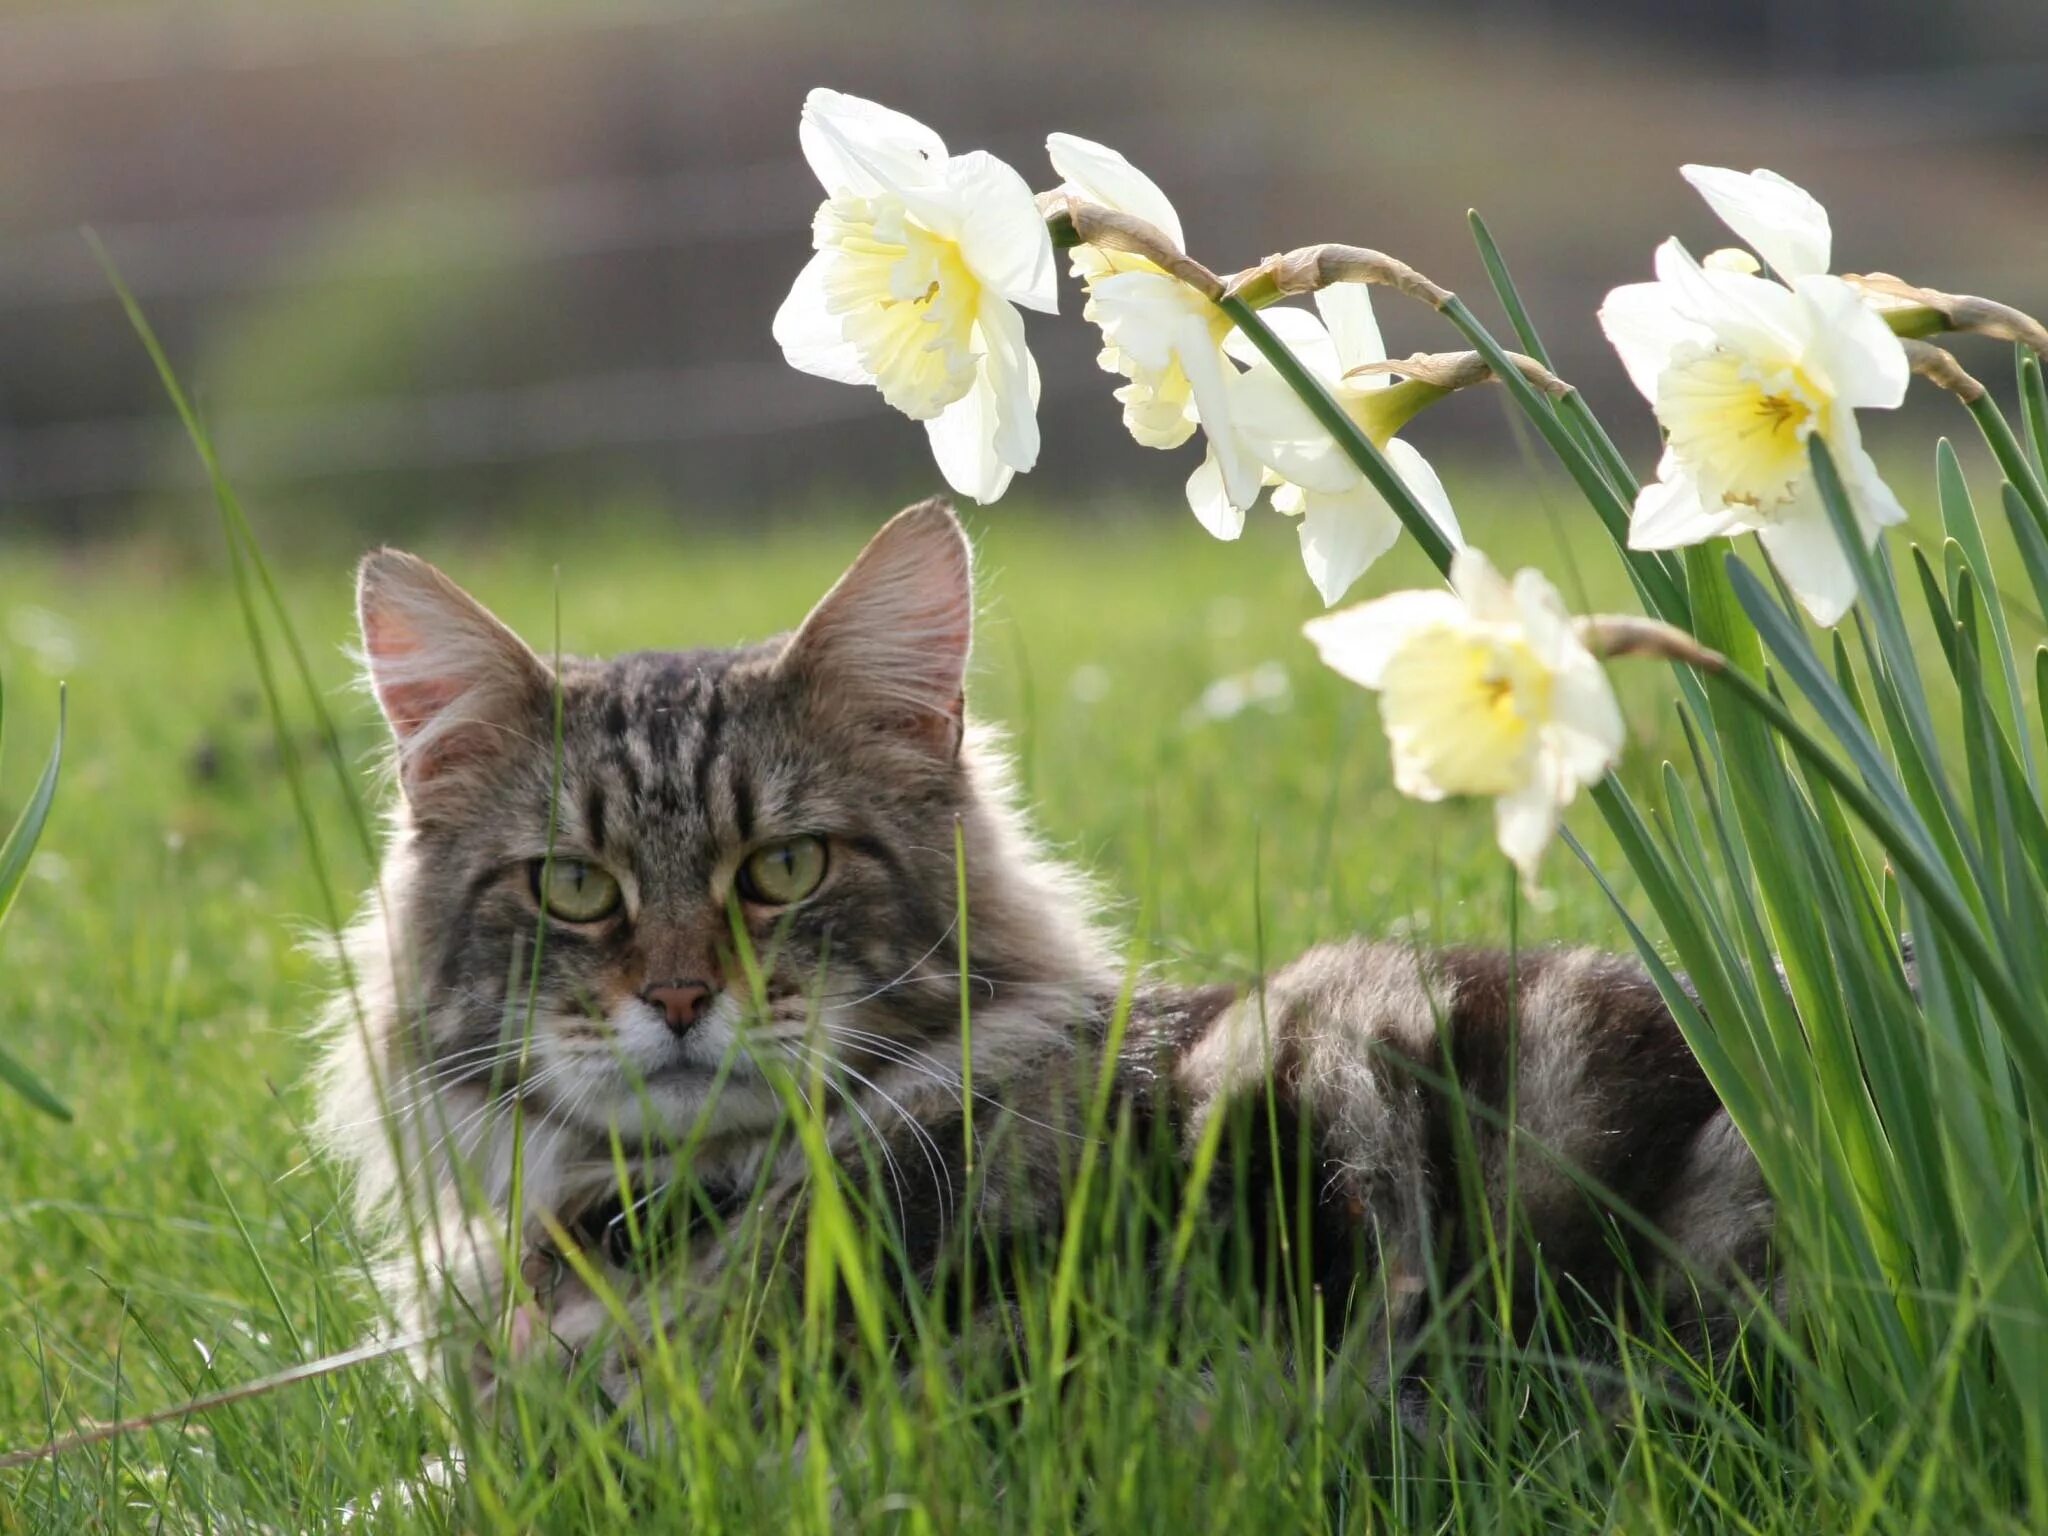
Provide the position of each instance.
(624, 900)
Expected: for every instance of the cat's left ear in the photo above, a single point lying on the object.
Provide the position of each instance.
(889, 643)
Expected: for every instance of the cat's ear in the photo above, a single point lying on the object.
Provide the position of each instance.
(454, 683)
(890, 641)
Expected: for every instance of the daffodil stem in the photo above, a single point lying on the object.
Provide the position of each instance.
(1357, 447)
(1660, 588)
(2012, 458)
(2034, 406)
(1572, 406)
(1908, 855)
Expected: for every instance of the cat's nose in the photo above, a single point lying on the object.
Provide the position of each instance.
(681, 1002)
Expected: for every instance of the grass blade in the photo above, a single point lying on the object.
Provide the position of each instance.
(14, 856)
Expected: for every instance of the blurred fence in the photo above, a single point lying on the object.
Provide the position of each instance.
(419, 261)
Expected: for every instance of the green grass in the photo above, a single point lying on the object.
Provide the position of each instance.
(177, 1238)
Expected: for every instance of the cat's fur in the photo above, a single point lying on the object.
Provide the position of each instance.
(1391, 1073)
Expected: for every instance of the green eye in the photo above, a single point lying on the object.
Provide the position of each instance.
(574, 891)
(781, 873)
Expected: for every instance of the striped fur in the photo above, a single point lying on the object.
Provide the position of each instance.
(476, 1037)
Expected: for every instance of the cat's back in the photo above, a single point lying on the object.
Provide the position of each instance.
(1399, 1070)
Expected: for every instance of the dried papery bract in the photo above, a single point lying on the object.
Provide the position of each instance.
(1915, 311)
(1073, 221)
(1312, 267)
(1612, 635)
(1452, 371)
(1941, 369)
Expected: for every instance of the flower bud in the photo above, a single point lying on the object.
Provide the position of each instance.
(1732, 258)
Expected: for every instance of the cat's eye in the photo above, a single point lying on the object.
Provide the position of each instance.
(574, 891)
(777, 874)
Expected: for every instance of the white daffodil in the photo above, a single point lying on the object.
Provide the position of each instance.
(1741, 372)
(1345, 523)
(1484, 690)
(1163, 337)
(922, 258)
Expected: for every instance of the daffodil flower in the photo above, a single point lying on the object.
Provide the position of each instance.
(1163, 337)
(1741, 372)
(1345, 523)
(1486, 689)
(922, 258)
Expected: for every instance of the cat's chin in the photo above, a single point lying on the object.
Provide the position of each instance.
(673, 1092)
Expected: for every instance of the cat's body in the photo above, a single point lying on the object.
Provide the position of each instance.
(739, 874)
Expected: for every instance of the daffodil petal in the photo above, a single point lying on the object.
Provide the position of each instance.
(810, 335)
(1812, 561)
(1346, 309)
(1542, 617)
(1876, 506)
(1210, 501)
(963, 441)
(1002, 235)
(1301, 333)
(859, 146)
(1586, 732)
(1482, 589)
(1782, 222)
(1645, 328)
(1864, 362)
(1670, 515)
(1524, 823)
(1213, 380)
(1750, 315)
(1101, 175)
(1342, 535)
(1419, 475)
(1358, 642)
(1010, 378)
(1278, 427)
(1142, 313)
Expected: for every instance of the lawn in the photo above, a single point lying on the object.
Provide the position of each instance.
(1178, 739)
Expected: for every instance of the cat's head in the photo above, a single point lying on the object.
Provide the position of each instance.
(619, 885)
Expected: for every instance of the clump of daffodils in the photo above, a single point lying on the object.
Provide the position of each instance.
(922, 259)
(1487, 689)
(1746, 357)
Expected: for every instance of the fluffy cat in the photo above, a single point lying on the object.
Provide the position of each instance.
(740, 865)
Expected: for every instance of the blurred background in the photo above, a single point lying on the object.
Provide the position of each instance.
(443, 262)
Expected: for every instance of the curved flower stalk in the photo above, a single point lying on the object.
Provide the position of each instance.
(922, 259)
(1487, 689)
(1345, 523)
(1741, 372)
(1165, 337)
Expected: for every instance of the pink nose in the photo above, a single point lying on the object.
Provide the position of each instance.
(681, 1002)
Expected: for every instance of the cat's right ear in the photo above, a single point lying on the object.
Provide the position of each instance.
(888, 644)
(454, 683)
